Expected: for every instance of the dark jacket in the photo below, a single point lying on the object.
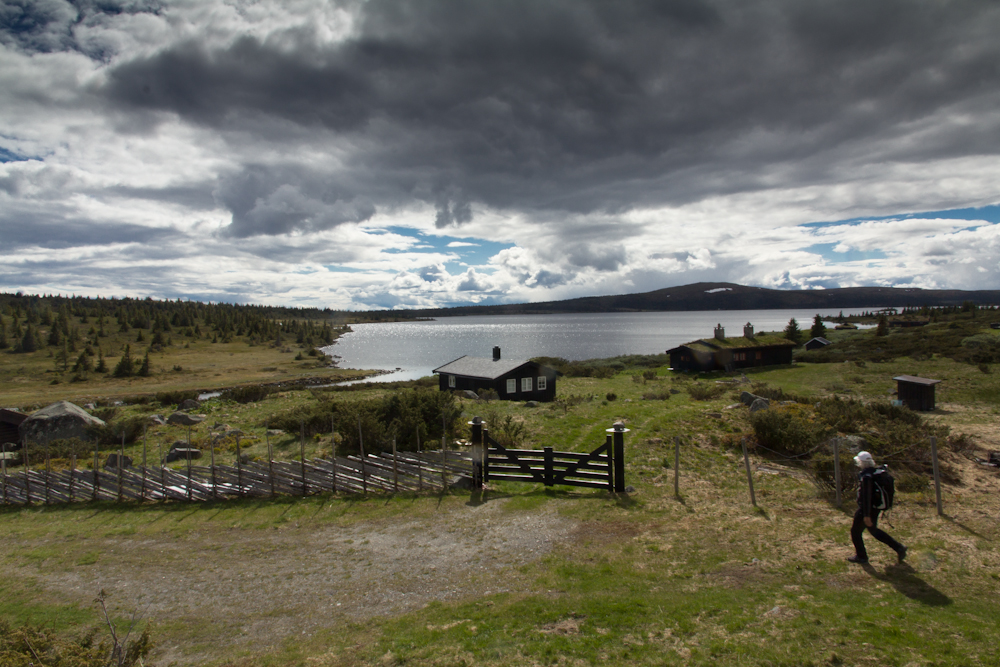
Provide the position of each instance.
(866, 491)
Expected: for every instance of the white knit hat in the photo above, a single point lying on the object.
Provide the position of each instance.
(864, 460)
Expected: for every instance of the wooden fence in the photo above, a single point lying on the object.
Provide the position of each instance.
(386, 472)
(603, 468)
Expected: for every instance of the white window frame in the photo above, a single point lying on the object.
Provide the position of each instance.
(451, 381)
(542, 385)
(526, 384)
(511, 386)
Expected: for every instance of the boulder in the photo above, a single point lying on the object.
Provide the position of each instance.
(675, 391)
(182, 454)
(468, 393)
(157, 419)
(461, 483)
(184, 419)
(531, 404)
(188, 404)
(59, 421)
(113, 460)
(746, 398)
(759, 404)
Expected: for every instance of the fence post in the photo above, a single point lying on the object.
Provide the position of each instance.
(189, 464)
(333, 453)
(677, 466)
(142, 493)
(211, 447)
(836, 468)
(618, 432)
(97, 479)
(72, 477)
(239, 467)
(270, 458)
(121, 462)
(361, 445)
(302, 453)
(420, 468)
(48, 473)
(3, 462)
(477, 452)
(395, 468)
(486, 454)
(548, 464)
(444, 452)
(746, 462)
(937, 475)
(163, 468)
(27, 477)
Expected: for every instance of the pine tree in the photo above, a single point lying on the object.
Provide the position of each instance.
(125, 368)
(792, 331)
(883, 327)
(144, 369)
(102, 366)
(55, 336)
(82, 364)
(29, 343)
(3, 335)
(818, 330)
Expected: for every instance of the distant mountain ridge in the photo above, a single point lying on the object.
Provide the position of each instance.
(730, 296)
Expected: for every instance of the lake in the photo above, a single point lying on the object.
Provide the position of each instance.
(413, 349)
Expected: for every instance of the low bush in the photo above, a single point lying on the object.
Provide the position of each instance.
(168, 398)
(705, 391)
(248, 394)
(657, 395)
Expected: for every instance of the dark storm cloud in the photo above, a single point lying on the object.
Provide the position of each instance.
(570, 106)
(47, 229)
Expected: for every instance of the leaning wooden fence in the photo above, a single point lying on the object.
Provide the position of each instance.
(402, 471)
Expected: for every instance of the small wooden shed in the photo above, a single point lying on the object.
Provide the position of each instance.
(915, 392)
(10, 420)
(817, 343)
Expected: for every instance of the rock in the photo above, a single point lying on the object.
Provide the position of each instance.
(531, 404)
(746, 398)
(184, 419)
(244, 459)
(219, 426)
(675, 391)
(629, 489)
(733, 406)
(89, 406)
(188, 404)
(182, 453)
(59, 421)
(275, 431)
(759, 404)
(461, 482)
(468, 393)
(157, 419)
(112, 462)
(714, 415)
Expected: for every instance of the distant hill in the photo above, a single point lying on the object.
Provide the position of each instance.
(729, 296)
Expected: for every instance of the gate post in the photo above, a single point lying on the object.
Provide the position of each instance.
(478, 450)
(618, 432)
(548, 460)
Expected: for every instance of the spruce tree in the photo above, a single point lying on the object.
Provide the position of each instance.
(28, 342)
(3, 335)
(792, 331)
(818, 330)
(144, 369)
(102, 366)
(883, 327)
(125, 367)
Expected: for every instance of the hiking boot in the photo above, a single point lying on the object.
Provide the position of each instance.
(857, 559)
(901, 555)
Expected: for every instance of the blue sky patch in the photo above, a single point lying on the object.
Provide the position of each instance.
(9, 156)
(827, 252)
(471, 251)
(989, 213)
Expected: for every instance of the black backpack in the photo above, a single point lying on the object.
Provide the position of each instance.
(884, 488)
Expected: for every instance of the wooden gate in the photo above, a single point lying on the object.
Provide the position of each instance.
(603, 468)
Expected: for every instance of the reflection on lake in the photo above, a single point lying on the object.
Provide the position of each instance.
(419, 347)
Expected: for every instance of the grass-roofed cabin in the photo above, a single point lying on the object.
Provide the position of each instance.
(721, 353)
(512, 380)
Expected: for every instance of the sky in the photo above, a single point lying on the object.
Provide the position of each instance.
(374, 154)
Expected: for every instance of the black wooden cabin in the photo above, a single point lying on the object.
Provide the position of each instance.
(512, 380)
(916, 393)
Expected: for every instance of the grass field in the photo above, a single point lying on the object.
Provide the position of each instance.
(525, 575)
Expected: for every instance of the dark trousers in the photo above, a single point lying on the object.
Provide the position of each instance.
(858, 529)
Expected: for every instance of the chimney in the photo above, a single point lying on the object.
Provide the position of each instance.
(748, 330)
(720, 333)
(496, 353)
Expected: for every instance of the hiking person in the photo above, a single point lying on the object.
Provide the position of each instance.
(869, 501)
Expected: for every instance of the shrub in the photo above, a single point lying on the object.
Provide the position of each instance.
(705, 391)
(657, 395)
(611, 396)
(248, 394)
(788, 429)
(168, 398)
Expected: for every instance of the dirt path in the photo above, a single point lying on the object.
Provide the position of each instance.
(253, 588)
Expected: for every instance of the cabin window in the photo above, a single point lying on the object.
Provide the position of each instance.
(525, 384)
(760, 355)
(511, 386)
(541, 383)
(741, 356)
(451, 381)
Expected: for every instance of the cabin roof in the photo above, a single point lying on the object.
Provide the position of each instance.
(738, 343)
(819, 339)
(481, 367)
(913, 379)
